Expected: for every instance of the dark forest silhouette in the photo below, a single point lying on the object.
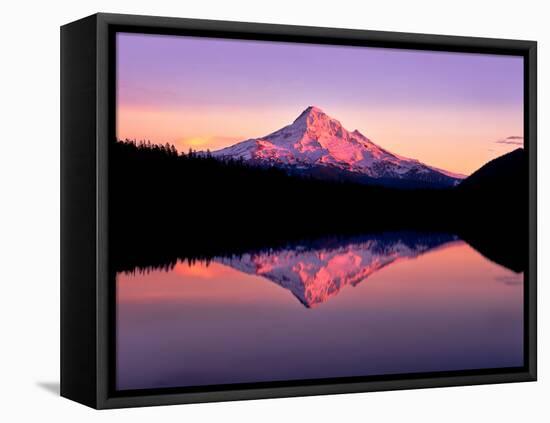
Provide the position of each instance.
(165, 206)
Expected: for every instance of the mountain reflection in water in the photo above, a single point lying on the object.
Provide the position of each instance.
(420, 302)
(315, 274)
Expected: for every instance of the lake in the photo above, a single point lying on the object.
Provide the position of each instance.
(382, 304)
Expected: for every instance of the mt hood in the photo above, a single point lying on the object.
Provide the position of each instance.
(317, 144)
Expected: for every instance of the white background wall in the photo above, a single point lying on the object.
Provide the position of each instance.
(29, 209)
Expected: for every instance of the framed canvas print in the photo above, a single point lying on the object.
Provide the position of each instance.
(255, 211)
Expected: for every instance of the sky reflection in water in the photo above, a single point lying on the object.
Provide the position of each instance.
(386, 304)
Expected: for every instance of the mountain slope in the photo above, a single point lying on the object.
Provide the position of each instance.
(498, 195)
(317, 141)
(503, 173)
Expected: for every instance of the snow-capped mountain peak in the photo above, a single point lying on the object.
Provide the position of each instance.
(315, 139)
(315, 119)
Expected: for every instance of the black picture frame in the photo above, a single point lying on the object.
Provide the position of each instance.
(87, 125)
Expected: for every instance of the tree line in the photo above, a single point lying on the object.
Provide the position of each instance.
(165, 205)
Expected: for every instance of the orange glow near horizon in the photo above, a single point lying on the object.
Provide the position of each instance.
(461, 142)
(446, 109)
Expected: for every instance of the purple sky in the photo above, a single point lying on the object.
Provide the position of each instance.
(447, 109)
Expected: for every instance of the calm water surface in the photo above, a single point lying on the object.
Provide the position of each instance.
(394, 303)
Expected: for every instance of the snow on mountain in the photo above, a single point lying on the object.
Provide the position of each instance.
(316, 274)
(315, 139)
